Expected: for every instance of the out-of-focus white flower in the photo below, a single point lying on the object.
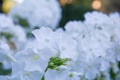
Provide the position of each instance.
(114, 53)
(20, 73)
(7, 26)
(86, 64)
(75, 28)
(66, 46)
(11, 31)
(61, 75)
(115, 17)
(38, 13)
(5, 55)
(107, 27)
(5, 23)
(96, 18)
(19, 33)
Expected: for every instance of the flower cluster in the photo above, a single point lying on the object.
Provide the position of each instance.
(84, 50)
(37, 13)
(10, 32)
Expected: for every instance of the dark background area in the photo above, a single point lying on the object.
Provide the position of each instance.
(75, 11)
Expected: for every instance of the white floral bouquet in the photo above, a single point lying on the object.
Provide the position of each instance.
(83, 50)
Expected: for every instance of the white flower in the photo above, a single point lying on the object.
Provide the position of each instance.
(10, 28)
(30, 65)
(15, 33)
(115, 17)
(19, 33)
(61, 75)
(47, 40)
(60, 43)
(87, 65)
(47, 37)
(107, 27)
(67, 46)
(39, 59)
(5, 55)
(44, 12)
(19, 73)
(33, 75)
(114, 53)
(75, 28)
(5, 23)
(96, 18)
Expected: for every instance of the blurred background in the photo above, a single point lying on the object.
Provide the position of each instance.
(73, 9)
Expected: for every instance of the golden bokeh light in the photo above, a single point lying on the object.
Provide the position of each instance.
(7, 5)
(64, 2)
(96, 4)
